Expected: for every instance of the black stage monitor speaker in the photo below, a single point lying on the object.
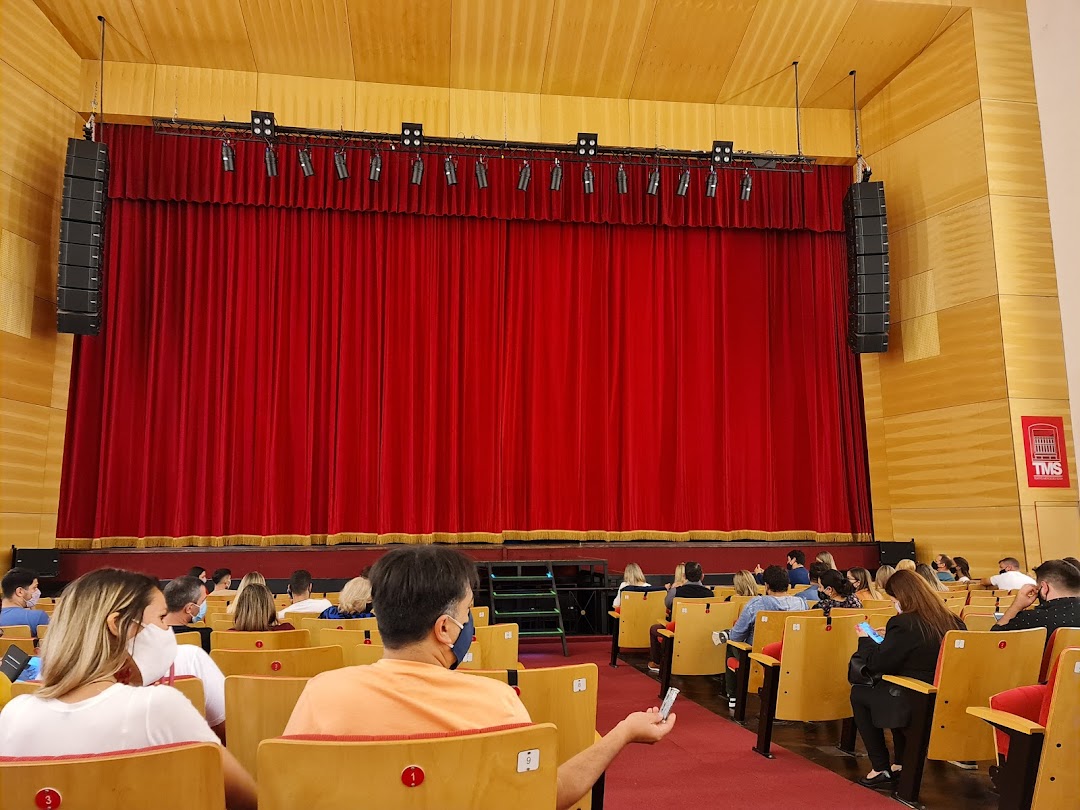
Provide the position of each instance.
(79, 288)
(868, 267)
(893, 553)
(45, 562)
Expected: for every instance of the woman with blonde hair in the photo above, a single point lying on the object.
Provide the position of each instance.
(881, 577)
(256, 612)
(745, 584)
(905, 565)
(927, 573)
(827, 558)
(864, 586)
(354, 602)
(633, 580)
(107, 641)
(680, 577)
(252, 578)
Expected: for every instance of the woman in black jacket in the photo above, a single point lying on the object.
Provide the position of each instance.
(911, 647)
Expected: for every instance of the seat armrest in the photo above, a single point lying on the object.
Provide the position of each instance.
(765, 660)
(665, 633)
(912, 684)
(613, 614)
(741, 645)
(1006, 720)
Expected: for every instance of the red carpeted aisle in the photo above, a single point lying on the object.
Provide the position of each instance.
(706, 760)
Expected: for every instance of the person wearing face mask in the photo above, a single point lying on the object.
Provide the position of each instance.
(836, 591)
(185, 600)
(1057, 590)
(107, 644)
(422, 597)
(1009, 576)
(21, 593)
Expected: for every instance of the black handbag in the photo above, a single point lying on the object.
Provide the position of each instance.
(857, 673)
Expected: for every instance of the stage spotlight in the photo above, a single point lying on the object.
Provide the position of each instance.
(271, 161)
(654, 182)
(620, 179)
(586, 144)
(684, 183)
(263, 124)
(375, 171)
(723, 152)
(417, 171)
(710, 183)
(412, 136)
(556, 176)
(524, 176)
(588, 180)
(228, 157)
(747, 186)
(481, 174)
(450, 170)
(341, 168)
(305, 162)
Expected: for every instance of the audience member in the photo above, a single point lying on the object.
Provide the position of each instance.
(198, 572)
(680, 577)
(1057, 590)
(836, 592)
(905, 564)
(944, 567)
(185, 602)
(222, 580)
(21, 593)
(300, 593)
(633, 580)
(1009, 576)
(253, 577)
(355, 601)
(108, 642)
(864, 585)
(911, 646)
(195, 662)
(927, 573)
(1075, 563)
(693, 588)
(881, 576)
(827, 558)
(422, 599)
(255, 611)
(797, 573)
(813, 593)
(745, 584)
(963, 569)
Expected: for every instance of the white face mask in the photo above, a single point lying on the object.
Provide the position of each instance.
(34, 596)
(153, 649)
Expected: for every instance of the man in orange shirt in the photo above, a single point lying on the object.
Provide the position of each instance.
(422, 597)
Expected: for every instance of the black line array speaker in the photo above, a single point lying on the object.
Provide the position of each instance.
(868, 267)
(79, 285)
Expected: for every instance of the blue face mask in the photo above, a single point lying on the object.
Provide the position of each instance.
(460, 648)
(202, 612)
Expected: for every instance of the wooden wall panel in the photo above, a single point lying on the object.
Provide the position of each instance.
(1023, 251)
(61, 371)
(981, 535)
(53, 461)
(934, 169)
(497, 116)
(35, 130)
(382, 108)
(1014, 161)
(828, 135)
(671, 125)
(51, 62)
(1043, 407)
(563, 117)
(1004, 45)
(204, 94)
(757, 129)
(1058, 525)
(920, 337)
(880, 492)
(20, 262)
(27, 212)
(1034, 351)
(951, 457)
(303, 102)
(20, 529)
(26, 373)
(871, 382)
(129, 91)
(24, 433)
(940, 80)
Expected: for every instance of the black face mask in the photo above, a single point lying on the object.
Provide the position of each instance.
(1001, 570)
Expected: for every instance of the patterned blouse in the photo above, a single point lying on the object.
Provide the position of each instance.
(827, 604)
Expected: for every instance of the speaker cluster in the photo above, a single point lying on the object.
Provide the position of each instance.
(868, 267)
(79, 285)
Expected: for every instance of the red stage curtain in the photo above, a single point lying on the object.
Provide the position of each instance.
(306, 367)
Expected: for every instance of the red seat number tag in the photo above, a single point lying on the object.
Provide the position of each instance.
(413, 776)
(275, 666)
(48, 799)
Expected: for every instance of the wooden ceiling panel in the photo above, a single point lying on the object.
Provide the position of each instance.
(284, 33)
(401, 42)
(781, 32)
(500, 46)
(594, 46)
(878, 40)
(197, 33)
(689, 48)
(77, 21)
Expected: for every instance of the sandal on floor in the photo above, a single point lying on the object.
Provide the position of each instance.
(885, 778)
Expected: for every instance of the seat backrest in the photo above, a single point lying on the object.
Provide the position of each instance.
(1060, 639)
(301, 663)
(270, 640)
(257, 709)
(768, 629)
(175, 777)
(879, 604)
(723, 591)
(480, 616)
(813, 669)
(976, 620)
(16, 631)
(359, 655)
(638, 611)
(314, 626)
(192, 688)
(296, 618)
(693, 652)
(500, 645)
(474, 658)
(564, 696)
(513, 767)
(189, 638)
(24, 644)
(347, 638)
(223, 622)
(1002, 660)
(1058, 782)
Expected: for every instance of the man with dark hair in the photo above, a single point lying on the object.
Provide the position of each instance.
(1009, 576)
(693, 588)
(944, 568)
(183, 597)
(1075, 563)
(20, 588)
(811, 594)
(1058, 590)
(796, 568)
(300, 593)
(184, 600)
(222, 580)
(422, 596)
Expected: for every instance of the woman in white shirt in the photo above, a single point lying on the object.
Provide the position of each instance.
(632, 576)
(107, 639)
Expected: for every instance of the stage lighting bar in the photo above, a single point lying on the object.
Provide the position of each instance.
(228, 157)
(620, 180)
(375, 170)
(588, 180)
(481, 174)
(556, 176)
(304, 155)
(341, 168)
(450, 170)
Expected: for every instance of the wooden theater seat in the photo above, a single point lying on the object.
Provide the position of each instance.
(347, 638)
(977, 620)
(809, 682)
(270, 640)
(689, 649)
(359, 655)
(768, 628)
(24, 644)
(315, 626)
(1059, 640)
(221, 623)
(499, 643)
(481, 616)
(189, 638)
(474, 657)
(565, 697)
(941, 728)
(257, 709)
(300, 663)
(17, 631)
(173, 777)
(296, 618)
(187, 685)
(638, 611)
(1040, 771)
(491, 768)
